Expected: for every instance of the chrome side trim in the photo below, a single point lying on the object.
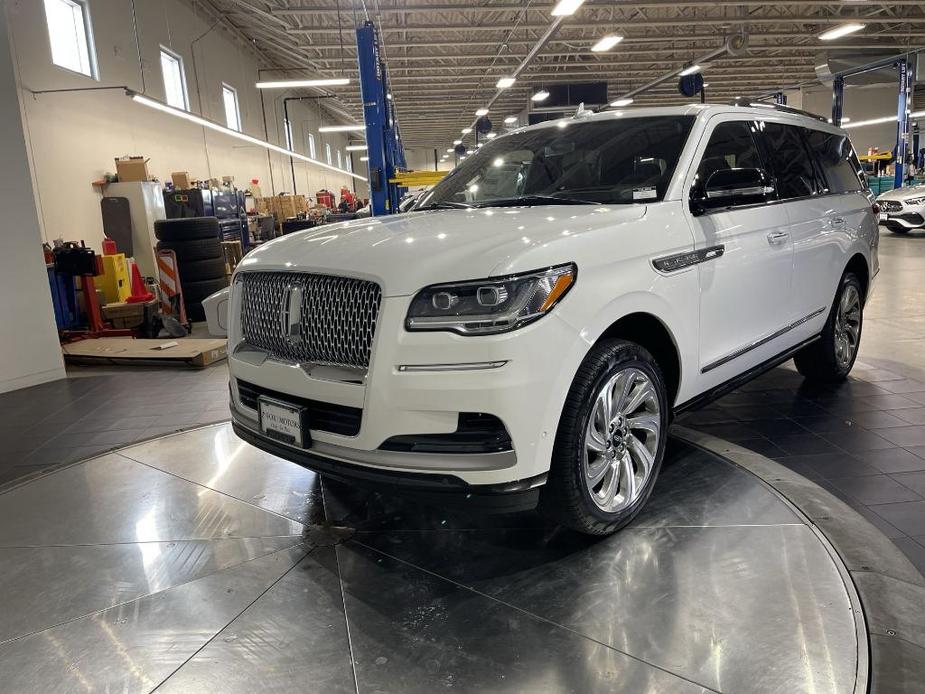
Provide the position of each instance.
(474, 366)
(762, 341)
(679, 261)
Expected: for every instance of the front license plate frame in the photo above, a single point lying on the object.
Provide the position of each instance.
(284, 421)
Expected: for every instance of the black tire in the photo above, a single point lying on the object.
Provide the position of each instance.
(199, 270)
(819, 361)
(195, 292)
(197, 249)
(566, 497)
(898, 230)
(186, 229)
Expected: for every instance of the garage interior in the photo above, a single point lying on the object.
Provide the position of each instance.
(148, 147)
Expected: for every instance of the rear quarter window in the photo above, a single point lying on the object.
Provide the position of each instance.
(837, 159)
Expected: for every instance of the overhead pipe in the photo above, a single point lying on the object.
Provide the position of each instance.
(525, 63)
(735, 44)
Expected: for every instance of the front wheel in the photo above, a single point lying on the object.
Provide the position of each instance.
(610, 441)
(830, 358)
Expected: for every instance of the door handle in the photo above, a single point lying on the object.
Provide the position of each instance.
(838, 221)
(777, 237)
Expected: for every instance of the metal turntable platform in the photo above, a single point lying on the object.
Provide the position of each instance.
(195, 563)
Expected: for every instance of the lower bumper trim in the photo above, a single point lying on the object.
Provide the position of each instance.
(437, 489)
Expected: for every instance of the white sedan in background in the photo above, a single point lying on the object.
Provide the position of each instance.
(903, 209)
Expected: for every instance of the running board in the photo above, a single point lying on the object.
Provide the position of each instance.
(718, 391)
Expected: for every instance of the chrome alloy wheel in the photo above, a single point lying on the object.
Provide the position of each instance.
(621, 439)
(847, 326)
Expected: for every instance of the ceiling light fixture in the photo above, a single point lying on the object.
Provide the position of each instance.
(205, 123)
(466, 131)
(506, 82)
(491, 136)
(690, 70)
(457, 142)
(606, 43)
(541, 95)
(364, 159)
(482, 112)
(356, 148)
(620, 103)
(510, 119)
(840, 31)
(564, 8)
(291, 84)
(340, 128)
(450, 150)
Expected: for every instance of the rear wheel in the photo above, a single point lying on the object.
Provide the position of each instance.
(610, 442)
(830, 358)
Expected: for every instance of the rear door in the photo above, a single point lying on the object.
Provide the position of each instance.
(820, 260)
(814, 219)
(745, 285)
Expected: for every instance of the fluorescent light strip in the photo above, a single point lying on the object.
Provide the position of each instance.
(840, 31)
(285, 84)
(564, 8)
(689, 70)
(340, 128)
(541, 95)
(158, 106)
(879, 121)
(356, 148)
(505, 82)
(619, 103)
(606, 43)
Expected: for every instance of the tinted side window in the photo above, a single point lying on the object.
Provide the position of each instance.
(792, 165)
(731, 146)
(835, 155)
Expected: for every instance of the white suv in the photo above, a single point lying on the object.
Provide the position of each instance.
(524, 337)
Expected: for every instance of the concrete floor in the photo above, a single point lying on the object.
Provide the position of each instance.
(863, 441)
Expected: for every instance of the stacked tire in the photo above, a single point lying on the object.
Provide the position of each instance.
(200, 260)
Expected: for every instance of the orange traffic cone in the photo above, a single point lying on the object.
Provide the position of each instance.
(140, 294)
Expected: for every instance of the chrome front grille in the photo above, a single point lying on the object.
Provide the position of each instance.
(308, 318)
(891, 205)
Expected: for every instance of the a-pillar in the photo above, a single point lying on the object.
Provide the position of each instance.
(29, 350)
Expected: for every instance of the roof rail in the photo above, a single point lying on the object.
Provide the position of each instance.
(787, 109)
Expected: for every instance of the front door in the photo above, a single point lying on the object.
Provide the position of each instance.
(746, 285)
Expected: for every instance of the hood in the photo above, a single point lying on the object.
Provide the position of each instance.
(901, 194)
(404, 253)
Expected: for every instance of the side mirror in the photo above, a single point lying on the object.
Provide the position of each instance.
(731, 187)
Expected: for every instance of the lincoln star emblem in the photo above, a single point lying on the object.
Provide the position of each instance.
(291, 314)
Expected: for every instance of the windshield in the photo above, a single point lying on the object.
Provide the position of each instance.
(614, 161)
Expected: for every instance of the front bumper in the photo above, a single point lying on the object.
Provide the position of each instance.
(905, 217)
(525, 392)
(437, 489)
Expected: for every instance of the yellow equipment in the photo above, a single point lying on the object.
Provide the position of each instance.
(115, 281)
(417, 179)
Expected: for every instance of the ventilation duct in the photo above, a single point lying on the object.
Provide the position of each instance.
(833, 62)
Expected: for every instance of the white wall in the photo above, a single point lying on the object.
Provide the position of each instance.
(74, 137)
(29, 352)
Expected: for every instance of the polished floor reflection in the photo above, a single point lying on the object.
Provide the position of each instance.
(195, 563)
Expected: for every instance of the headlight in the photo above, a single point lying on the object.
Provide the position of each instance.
(914, 201)
(483, 307)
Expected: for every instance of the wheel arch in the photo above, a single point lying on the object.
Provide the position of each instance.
(858, 265)
(651, 333)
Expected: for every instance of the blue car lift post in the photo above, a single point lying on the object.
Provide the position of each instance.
(383, 141)
(902, 110)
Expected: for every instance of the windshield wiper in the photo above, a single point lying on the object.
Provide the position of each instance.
(531, 200)
(445, 205)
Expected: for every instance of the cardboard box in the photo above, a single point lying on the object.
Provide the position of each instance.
(128, 350)
(132, 169)
(181, 180)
